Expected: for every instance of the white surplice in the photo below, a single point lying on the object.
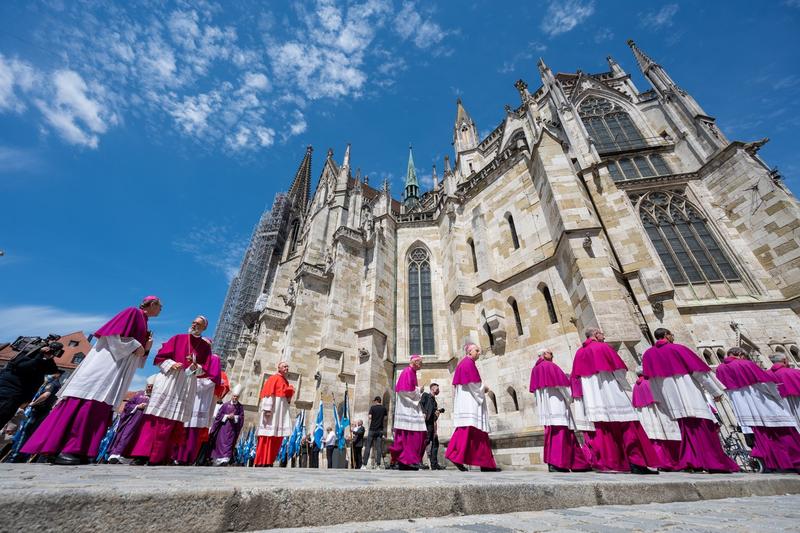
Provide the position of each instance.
(605, 399)
(408, 413)
(760, 404)
(277, 422)
(553, 406)
(793, 402)
(582, 422)
(469, 407)
(203, 404)
(657, 423)
(106, 373)
(173, 393)
(682, 396)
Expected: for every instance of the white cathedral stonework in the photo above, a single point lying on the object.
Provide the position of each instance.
(591, 204)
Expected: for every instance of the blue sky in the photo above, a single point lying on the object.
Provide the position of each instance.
(140, 143)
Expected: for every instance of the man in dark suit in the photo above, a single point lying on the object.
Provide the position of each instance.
(358, 442)
(432, 412)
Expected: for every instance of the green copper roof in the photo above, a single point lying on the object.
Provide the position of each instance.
(411, 173)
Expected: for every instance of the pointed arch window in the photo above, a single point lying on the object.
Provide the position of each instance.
(513, 229)
(513, 394)
(548, 301)
(294, 233)
(683, 240)
(488, 329)
(609, 125)
(517, 318)
(472, 252)
(420, 304)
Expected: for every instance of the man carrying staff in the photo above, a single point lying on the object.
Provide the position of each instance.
(469, 444)
(180, 360)
(275, 422)
(75, 427)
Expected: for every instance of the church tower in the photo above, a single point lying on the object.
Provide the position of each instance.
(411, 194)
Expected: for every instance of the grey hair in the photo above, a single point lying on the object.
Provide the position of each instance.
(543, 351)
(469, 345)
(639, 370)
(778, 357)
(590, 332)
(736, 352)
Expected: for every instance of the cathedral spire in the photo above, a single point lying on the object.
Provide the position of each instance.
(435, 177)
(465, 133)
(644, 61)
(412, 187)
(346, 161)
(301, 186)
(614, 66)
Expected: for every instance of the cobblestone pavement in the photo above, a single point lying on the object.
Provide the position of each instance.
(746, 515)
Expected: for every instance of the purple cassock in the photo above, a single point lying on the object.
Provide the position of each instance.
(677, 379)
(619, 442)
(758, 405)
(549, 385)
(129, 424)
(224, 433)
(79, 421)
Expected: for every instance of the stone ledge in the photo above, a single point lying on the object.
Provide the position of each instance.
(119, 498)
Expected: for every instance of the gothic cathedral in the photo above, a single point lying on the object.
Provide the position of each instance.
(591, 204)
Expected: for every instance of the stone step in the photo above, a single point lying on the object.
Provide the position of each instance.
(127, 498)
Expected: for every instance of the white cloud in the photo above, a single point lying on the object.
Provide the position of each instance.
(298, 124)
(563, 15)
(527, 54)
(42, 320)
(216, 245)
(603, 35)
(14, 160)
(661, 18)
(73, 111)
(222, 79)
(15, 75)
(410, 25)
(256, 80)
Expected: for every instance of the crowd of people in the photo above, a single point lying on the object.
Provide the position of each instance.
(593, 418)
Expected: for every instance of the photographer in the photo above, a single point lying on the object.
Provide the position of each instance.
(432, 412)
(25, 373)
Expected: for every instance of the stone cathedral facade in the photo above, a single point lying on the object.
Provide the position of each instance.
(592, 203)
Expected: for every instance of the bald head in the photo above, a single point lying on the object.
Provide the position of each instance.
(199, 325)
(283, 368)
(778, 358)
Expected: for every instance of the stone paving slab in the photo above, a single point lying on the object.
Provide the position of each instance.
(125, 498)
(765, 514)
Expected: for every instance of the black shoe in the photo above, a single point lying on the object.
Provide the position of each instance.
(553, 468)
(460, 466)
(114, 461)
(438, 467)
(488, 469)
(421, 466)
(401, 466)
(139, 461)
(67, 459)
(712, 471)
(642, 470)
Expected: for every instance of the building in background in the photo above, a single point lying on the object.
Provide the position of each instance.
(76, 347)
(592, 203)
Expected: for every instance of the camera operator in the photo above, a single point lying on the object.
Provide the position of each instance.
(432, 412)
(25, 373)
